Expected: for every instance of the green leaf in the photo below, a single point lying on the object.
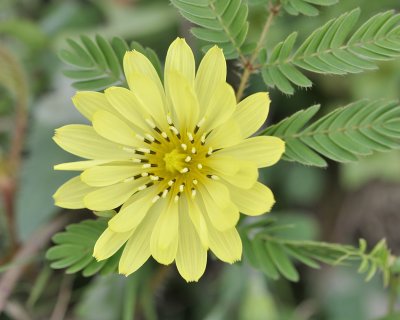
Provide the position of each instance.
(98, 64)
(306, 7)
(74, 247)
(276, 251)
(333, 49)
(282, 260)
(343, 135)
(221, 22)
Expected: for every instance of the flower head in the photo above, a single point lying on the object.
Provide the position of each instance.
(176, 157)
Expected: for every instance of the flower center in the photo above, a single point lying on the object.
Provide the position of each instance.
(174, 161)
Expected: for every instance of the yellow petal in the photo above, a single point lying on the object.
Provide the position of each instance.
(221, 106)
(70, 195)
(210, 74)
(263, 151)
(254, 201)
(79, 165)
(137, 249)
(110, 197)
(226, 245)
(180, 58)
(252, 112)
(101, 176)
(84, 142)
(191, 258)
(128, 105)
(164, 238)
(222, 165)
(109, 243)
(136, 64)
(226, 135)
(196, 216)
(245, 177)
(218, 206)
(113, 128)
(133, 212)
(89, 102)
(184, 101)
(151, 100)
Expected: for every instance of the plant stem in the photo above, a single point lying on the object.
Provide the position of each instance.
(38, 240)
(248, 65)
(394, 284)
(130, 296)
(9, 179)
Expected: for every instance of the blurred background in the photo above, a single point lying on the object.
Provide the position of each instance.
(339, 204)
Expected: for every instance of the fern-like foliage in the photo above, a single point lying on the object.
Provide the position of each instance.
(97, 64)
(332, 49)
(74, 247)
(306, 7)
(342, 135)
(269, 248)
(221, 22)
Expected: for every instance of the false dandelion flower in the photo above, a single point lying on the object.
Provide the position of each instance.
(176, 158)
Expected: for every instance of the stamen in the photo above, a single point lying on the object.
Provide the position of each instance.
(174, 130)
(181, 187)
(139, 137)
(142, 187)
(190, 136)
(145, 150)
(146, 165)
(176, 198)
(150, 123)
(144, 174)
(200, 123)
(184, 170)
(155, 199)
(164, 194)
(212, 176)
(137, 160)
(150, 137)
(210, 151)
(193, 150)
(184, 146)
(154, 178)
(129, 179)
(157, 130)
(193, 192)
(171, 182)
(127, 149)
(188, 159)
(195, 182)
(169, 120)
(203, 139)
(199, 166)
(165, 136)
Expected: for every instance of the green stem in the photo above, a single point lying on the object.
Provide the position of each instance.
(248, 63)
(128, 312)
(394, 286)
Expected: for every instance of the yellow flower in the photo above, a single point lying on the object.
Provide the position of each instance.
(176, 157)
